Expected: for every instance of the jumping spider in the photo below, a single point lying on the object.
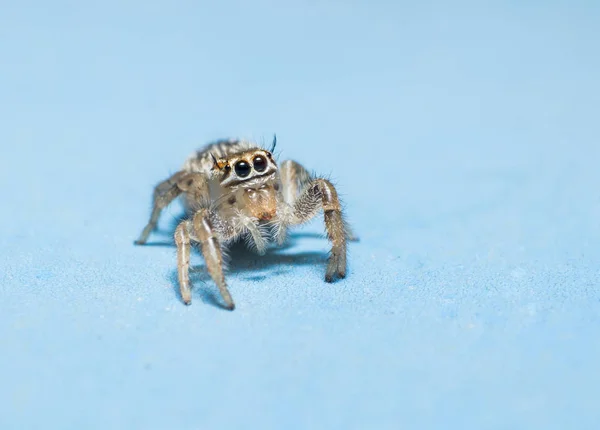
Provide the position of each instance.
(233, 189)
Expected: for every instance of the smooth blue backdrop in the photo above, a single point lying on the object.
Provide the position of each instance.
(463, 136)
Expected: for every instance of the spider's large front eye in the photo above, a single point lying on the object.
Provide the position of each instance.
(242, 168)
(260, 164)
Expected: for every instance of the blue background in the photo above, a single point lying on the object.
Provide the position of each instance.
(463, 138)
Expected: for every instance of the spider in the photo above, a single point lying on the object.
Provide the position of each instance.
(235, 189)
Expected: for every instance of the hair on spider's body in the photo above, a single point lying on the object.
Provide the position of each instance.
(234, 189)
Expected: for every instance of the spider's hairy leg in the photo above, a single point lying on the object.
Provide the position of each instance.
(321, 194)
(194, 184)
(295, 178)
(183, 243)
(202, 230)
(350, 234)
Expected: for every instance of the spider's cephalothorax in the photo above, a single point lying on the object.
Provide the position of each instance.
(235, 189)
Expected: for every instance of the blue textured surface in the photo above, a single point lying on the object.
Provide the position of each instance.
(464, 139)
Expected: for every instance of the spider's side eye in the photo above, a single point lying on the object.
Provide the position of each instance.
(242, 168)
(260, 164)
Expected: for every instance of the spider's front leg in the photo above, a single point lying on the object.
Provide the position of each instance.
(204, 230)
(321, 194)
(193, 184)
(295, 178)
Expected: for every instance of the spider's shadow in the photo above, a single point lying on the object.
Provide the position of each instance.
(242, 260)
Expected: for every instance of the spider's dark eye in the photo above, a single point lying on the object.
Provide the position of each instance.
(242, 169)
(260, 164)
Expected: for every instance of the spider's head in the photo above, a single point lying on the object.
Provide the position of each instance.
(252, 176)
(245, 167)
